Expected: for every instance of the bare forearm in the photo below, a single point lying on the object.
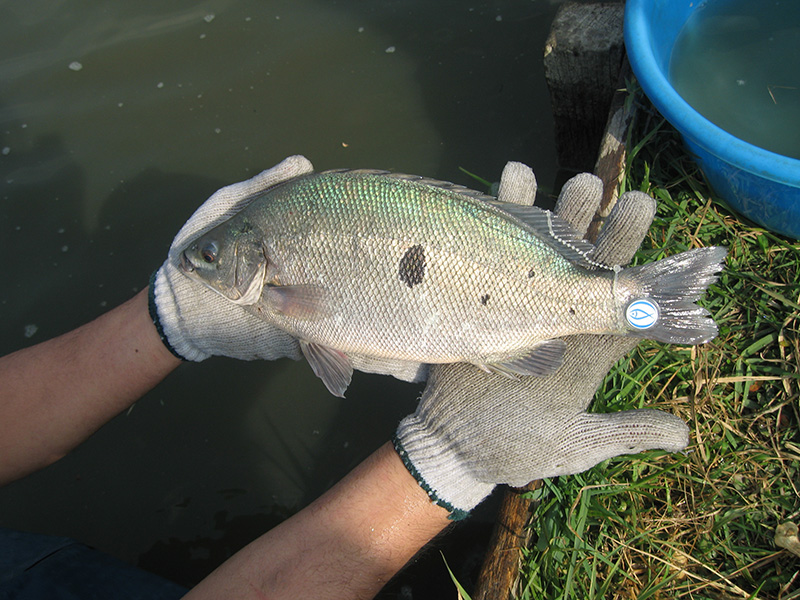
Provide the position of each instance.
(347, 544)
(56, 394)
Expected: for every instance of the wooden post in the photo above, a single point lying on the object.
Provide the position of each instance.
(501, 564)
(499, 575)
(613, 154)
(582, 58)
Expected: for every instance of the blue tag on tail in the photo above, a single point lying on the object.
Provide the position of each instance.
(642, 314)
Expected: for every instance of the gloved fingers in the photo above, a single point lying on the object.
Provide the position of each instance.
(288, 168)
(625, 228)
(517, 184)
(593, 438)
(515, 431)
(579, 200)
(227, 201)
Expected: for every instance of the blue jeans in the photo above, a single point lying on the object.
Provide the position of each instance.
(41, 567)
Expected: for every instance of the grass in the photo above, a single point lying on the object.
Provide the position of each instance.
(701, 524)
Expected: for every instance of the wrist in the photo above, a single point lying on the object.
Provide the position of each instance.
(152, 308)
(438, 469)
(169, 316)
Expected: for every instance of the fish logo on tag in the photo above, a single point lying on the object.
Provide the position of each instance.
(642, 314)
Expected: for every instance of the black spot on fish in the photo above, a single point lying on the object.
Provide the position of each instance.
(485, 299)
(412, 266)
(531, 274)
(571, 310)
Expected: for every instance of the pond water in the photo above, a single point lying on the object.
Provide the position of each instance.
(118, 119)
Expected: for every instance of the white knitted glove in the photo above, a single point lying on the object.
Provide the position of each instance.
(473, 430)
(194, 321)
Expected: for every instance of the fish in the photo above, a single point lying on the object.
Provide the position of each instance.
(402, 269)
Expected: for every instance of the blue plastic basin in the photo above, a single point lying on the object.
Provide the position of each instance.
(759, 184)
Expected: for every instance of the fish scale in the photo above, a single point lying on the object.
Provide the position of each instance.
(396, 267)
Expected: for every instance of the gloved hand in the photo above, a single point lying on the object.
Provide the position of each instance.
(194, 321)
(473, 430)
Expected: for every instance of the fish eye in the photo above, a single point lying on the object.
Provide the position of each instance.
(209, 252)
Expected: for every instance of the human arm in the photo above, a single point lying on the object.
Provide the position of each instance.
(57, 393)
(347, 544)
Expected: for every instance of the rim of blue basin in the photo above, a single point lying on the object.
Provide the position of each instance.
(651, 27)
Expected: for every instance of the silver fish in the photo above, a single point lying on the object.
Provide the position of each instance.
(401, 268)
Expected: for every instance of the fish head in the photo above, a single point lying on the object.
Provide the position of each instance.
(230, 259)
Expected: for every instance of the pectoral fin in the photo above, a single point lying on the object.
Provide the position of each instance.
(332, 366)
(297, 301)
(543, 359)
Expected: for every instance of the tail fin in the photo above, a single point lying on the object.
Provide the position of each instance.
(664, 306)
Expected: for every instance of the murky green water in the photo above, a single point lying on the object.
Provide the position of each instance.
(117, 119)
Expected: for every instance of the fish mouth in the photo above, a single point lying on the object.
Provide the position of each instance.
(186, 265)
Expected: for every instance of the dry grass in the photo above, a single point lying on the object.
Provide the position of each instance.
(699, 525)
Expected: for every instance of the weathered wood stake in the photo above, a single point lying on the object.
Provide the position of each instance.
(582, 58)
(498, 579)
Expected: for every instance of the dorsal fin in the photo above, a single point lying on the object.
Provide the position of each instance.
(556, 232)
(356, 171)
(444, 185)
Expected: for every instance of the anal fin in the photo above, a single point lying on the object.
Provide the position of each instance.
(330, 365)
(542, 359)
